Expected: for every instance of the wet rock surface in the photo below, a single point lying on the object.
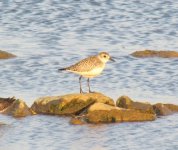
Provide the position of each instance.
(165, 109)
(17, 108)
(5, 102)
(153, 53)
(77, 121)
(94, 108)
(6, 55)
(102, 113)
(71, 104)
(128, 103)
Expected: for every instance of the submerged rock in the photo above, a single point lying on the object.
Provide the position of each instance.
(165, 109)
(17, 108)
(6, 55)
(103, 113)
(127, 103)
(71, 104)
(77, 121)
(153, 53)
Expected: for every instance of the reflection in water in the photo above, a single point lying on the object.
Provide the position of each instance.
(39, 132)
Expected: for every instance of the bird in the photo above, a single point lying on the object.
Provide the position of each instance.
(89, 67)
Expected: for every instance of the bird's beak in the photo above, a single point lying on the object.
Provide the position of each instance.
(111, 59)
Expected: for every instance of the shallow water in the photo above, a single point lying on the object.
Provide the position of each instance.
(47, 35)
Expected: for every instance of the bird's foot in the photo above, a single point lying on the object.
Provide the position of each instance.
(82, 92)
(91, 91)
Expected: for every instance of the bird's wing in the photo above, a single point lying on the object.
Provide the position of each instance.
(86, 64)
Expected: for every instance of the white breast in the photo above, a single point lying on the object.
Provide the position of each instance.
(94, 72)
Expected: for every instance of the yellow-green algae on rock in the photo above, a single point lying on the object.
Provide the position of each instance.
(6, 55)
(103, 113)
(127, 103)
(71, 104)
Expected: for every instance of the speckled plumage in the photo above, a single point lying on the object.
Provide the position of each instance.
(89, 67)
(86, 64)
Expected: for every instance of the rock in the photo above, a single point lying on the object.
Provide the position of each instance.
(77, 121)
(172, 107)
(103, 113)
(6, 55)
(161, 109)
(5, 102)
(153, 53)
(127, 103)
(71, 104)
(165, 109)
(17, 109)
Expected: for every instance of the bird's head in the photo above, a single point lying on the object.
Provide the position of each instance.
(104, 57)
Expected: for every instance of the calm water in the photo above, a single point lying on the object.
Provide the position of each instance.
(49, 34)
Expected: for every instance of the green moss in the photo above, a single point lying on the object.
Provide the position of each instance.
(18, 101)
(104, 118)
(113, 119)
(71, 107)
(101, 116)
(52, 108)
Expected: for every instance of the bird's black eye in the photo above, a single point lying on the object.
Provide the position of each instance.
(104, 56)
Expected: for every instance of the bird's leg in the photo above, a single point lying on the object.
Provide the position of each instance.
(80, 84)
(88, 81)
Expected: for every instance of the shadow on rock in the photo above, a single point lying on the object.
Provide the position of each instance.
(71, 104)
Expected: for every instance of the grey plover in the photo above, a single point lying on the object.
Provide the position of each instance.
(89, 67)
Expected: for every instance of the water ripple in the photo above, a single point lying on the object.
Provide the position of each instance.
(47, 35)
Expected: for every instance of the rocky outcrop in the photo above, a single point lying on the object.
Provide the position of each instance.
(71, 104)
(153, 53)
(17, 108)
(127, 103)
(88, 108)
(5, 102)
(102, 113)
(6, 55)
(165, 109)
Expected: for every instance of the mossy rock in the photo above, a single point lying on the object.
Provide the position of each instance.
(165, 109)
(127, 103)
(103, 113)
(5, 102)
(71, 104)
(153, 53)
(172, 107)
(18, 109)
(6, 55)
